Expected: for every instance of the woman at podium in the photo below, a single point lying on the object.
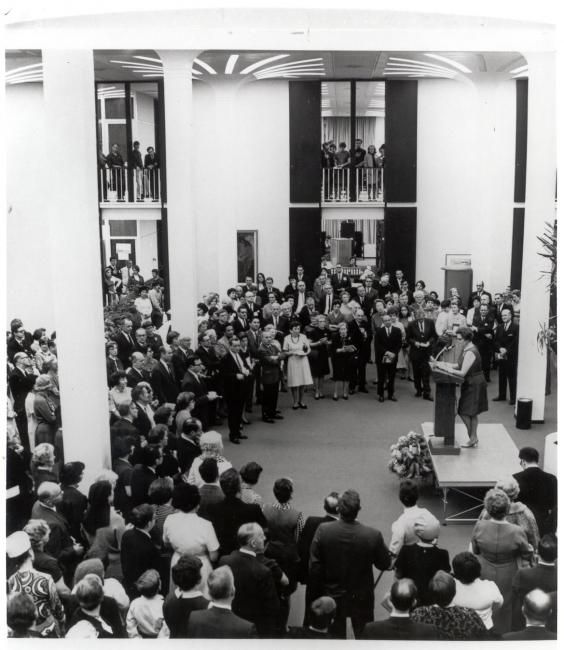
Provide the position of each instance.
(473, 391)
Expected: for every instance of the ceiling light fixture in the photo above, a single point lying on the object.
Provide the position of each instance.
(231, 61)
(259, 64)
(147, 58)
(418, 66)
(21, 69)
(418, 62)
(291, 64)
(17, 80)
(205, 66)
(454, 64)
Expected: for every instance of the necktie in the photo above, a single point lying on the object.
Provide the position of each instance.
(421, 327)
(506, 326)
(388, 331)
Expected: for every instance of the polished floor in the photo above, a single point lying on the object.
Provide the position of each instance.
(345, 444)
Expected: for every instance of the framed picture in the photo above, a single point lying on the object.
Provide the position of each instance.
(247, 254)
(458, 260)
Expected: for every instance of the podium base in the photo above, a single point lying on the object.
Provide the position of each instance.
(440, 448)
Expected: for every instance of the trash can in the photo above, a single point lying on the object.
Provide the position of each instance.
(524, 413)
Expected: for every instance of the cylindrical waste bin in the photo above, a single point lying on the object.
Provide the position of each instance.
(524, 413)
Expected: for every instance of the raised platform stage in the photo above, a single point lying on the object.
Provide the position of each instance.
(479, 467)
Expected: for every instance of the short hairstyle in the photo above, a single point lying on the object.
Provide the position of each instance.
(116, 376)
(510, 486)
(37, 530)
(295, 323)
(187, 572)
(185, 497)
(250, 473)
(496, 503)
(142, 515)
(466, 567)
(157, 434)
(408, 492)
(21, 612)
(529, 454)
(403, 594)
(71, 473)
(46, 490)
(331, 503)
(208, 470)
(548, 548)
(192, 425)
(183, 400)
(230, 482)
(247, 532)
(148, 583)
(537, 605)
(160, 490)
(445, 304)
(221, 584)
(465, 333)
(442, 589)
(349, 505)
(121, 446)
(191, 360)
(322, 612)
(89, 592)
(283, 489)
(149, 455)
(43, 454)
(123, 408)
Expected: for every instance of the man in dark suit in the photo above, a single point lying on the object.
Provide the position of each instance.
(340, 280)
(361, 334)
(229, 515)
(400, 626)
(538, 490)
(421, 337)
(136, 373)
(252, 305)
(123, 427)
(204, 399)
(281, 323)
(255, 599)
(397, 281)
(269, 288)
(188, 444)
(218, 621)
(181, 355)
(21, 381)
(137, 549)
(384, 288)
(330, 505)
(241, 321)
(124, 341)
(269, 356)
(320, 615)
(478, 293)
(302, 277)
(144, 473)
(341, 560)
(233, 373)
(326, 301)
(254, 337)
(142, 397)
(498, 306)
(18, 342)
(507, 348)
(537, 607)
(483, 325)
(387, 345)
(163, 379)
(544, 576)
(307, 313)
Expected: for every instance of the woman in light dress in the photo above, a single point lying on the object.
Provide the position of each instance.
(296, 346)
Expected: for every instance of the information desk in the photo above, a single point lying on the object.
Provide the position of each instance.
(495, 458)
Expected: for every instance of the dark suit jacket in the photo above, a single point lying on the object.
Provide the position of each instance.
(109, 612)
(385, 343)
(475, 294)
(304, 542)
(397, 628)
(138, 554)
(135, 376)
(305, 316)
(414, 334)
(228, 516)
(20, 385)
(141, 479)
(234, 388)
(218, 623)
(125, 347)
(341, 559)
(122, 427)
(164, 384)
(530, 634)
(542, 577)
(255, 599)
(509, 340)
(483, 328)
(263, 295)
(340, 283)
(177, 613)
(282, 327)
(13, 347)
(72, 507)
(270, 368)
(254, 343)
(186, 452)
(60, 544)
(142, 422)
(240, 325)
(113, 365)
(180, 362)
(201, 409)
(539, 491)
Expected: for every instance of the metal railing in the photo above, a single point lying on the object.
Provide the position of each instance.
(126, 185)
(358, 185)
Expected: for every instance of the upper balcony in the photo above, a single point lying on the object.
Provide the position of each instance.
(122, 187)
(362, 187)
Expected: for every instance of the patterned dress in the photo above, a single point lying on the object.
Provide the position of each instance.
(40, 586)
(452, 623)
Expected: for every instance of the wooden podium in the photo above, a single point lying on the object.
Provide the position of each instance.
(445, 403)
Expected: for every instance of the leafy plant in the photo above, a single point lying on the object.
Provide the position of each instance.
(547, 334)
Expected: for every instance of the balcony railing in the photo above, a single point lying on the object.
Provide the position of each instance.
(124, 185)
(358, 185)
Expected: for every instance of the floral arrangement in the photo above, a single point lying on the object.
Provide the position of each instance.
(411, 457)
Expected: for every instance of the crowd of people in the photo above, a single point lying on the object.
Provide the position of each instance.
(176, 542)
(137, 174)
(369, 161)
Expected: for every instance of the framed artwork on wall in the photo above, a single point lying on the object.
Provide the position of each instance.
(247, 254)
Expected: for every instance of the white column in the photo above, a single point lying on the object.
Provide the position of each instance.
(182, 234)
(72, 218)
(539, 208)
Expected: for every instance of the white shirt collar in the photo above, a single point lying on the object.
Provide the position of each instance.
(248, 551)
(194, 593)
(219, 606)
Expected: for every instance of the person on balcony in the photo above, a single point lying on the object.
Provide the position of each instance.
(136, 163)
(152, 165)
(117, 178)
(368, 178)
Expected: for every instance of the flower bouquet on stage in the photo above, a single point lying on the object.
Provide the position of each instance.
(411, 457)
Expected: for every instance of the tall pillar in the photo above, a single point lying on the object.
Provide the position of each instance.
(72, 220)
(539, 209)
(182, 232)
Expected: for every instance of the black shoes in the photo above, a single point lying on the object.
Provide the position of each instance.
(381, 398)
(393, 399)
(498, 399)
(428, 398)
(242, 436)
(235, 441)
